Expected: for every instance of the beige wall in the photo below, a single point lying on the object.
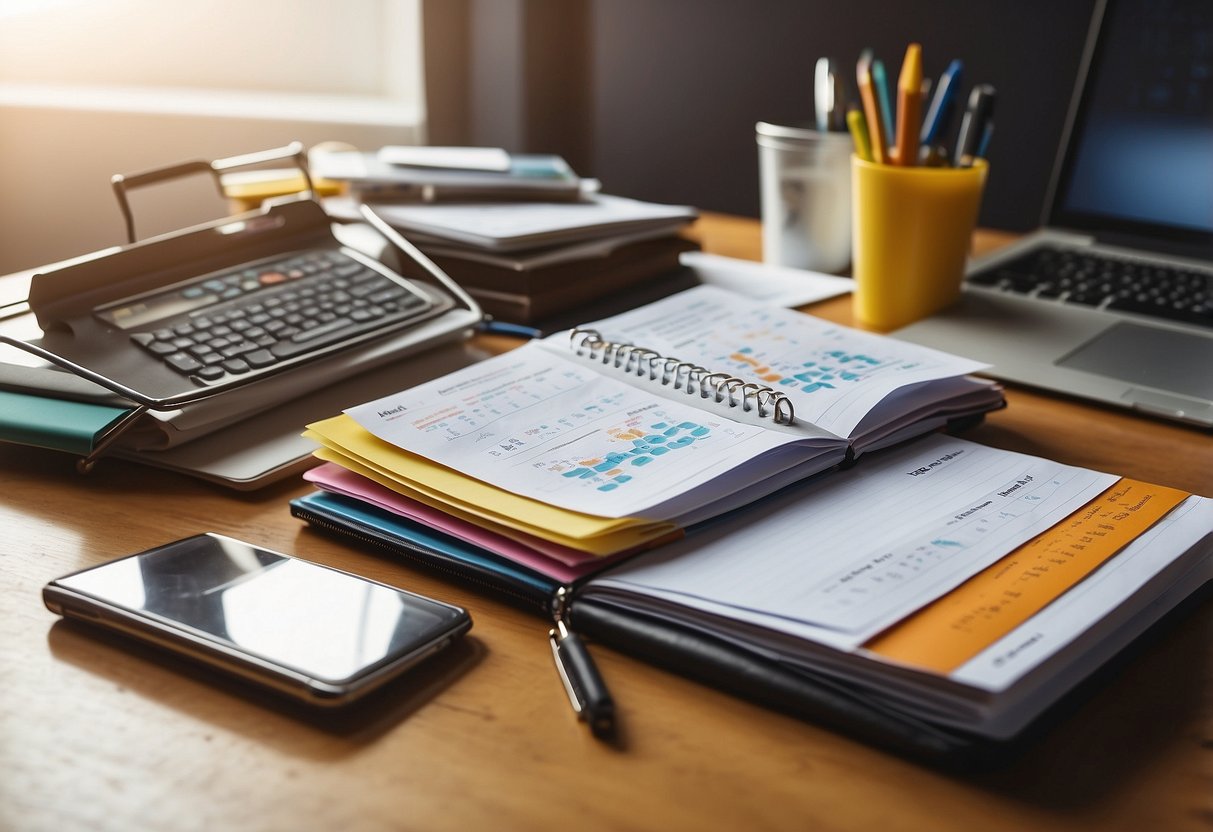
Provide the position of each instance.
(55, 165)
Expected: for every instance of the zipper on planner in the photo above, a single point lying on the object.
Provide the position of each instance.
(587, 692)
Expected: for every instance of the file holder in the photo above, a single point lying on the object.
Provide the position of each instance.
(215, 169)
(289, 212)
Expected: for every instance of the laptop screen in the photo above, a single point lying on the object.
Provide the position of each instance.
(1140, 156)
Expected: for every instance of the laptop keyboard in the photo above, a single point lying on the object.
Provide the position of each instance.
(1068, 276)
(242, 321)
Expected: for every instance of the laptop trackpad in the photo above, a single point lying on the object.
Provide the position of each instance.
(1160, 358)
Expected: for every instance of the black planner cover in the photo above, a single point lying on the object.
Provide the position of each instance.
(695, 655)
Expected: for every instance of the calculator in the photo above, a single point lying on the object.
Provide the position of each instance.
(282, 291)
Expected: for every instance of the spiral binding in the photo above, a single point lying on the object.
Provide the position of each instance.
(684, 375)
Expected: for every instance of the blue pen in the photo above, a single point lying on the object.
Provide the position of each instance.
(503, 328)
(939, 113)
(881, 82)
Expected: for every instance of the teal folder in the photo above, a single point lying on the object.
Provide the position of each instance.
(57, 424)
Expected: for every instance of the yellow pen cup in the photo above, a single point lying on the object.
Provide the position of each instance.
(911, 234)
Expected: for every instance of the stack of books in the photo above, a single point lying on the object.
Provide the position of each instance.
(531, 241)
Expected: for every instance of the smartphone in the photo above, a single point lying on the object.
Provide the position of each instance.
(320, 635)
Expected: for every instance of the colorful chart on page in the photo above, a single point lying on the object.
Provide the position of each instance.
(635, 443)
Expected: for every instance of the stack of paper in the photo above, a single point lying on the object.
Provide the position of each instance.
(529, 248)
(547, 265)
(958, 585)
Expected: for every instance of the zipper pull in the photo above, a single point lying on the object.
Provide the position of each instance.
(583, 683)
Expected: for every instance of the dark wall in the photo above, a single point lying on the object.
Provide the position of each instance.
(679, 84)
(671, 89)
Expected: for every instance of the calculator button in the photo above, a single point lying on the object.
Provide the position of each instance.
(260, 358)
(210, 373)
(238, 348)
(183, 363)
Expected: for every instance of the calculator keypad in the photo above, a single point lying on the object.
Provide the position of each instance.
(251, 319)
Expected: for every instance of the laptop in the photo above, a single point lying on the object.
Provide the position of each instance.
(1112, 300)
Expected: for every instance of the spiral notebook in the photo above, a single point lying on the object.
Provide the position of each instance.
(588, 440)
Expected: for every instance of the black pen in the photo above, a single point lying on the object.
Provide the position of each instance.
(583, 683)
(977, 115)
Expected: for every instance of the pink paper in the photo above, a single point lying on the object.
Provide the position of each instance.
(561, 563)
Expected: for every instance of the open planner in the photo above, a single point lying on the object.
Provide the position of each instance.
(588, 442)
(684, 473)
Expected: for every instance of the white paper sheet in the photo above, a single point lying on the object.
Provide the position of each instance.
(772, 285)
(458, 158)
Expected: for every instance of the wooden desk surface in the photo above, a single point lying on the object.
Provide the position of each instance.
(97, 736)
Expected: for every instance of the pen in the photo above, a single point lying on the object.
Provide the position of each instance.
(939, 113)
(828, 96)
(973, 126)
(909, 107)
(587, 692)
(984, 145)
(823, 94)
(881, 81)
(871, 109)
(496, 327)
(859, 134)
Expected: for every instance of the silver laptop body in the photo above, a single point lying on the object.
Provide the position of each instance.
(1133, 182)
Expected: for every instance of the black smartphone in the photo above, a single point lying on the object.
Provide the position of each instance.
(318, 634)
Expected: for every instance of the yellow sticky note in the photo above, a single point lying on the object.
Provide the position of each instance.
(947, 633)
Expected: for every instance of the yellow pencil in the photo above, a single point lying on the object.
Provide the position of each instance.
(859, 133)
(909, 107)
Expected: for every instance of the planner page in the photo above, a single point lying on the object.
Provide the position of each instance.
(539, 424)
(838, 561)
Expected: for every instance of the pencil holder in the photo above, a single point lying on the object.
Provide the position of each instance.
(805, 178)
(913, 227)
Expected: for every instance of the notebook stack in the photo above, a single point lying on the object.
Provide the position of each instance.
(533, 243)
(552, 288)
(728, 490)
